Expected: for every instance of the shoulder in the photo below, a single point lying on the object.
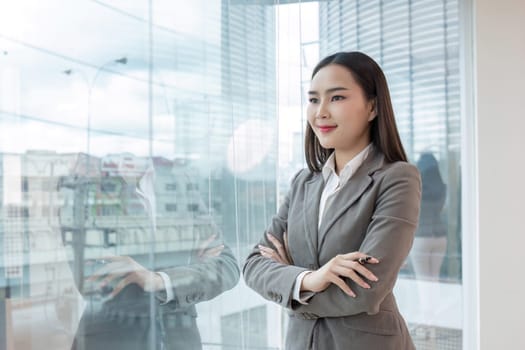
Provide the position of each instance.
(304, 175)
(396, 170)
(302, 179)
(398, 191)
(398, 173)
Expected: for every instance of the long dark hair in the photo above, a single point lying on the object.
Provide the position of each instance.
(383, 131)
(433, 187)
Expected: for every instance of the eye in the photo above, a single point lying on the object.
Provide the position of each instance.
(337, 98)
(313, 100)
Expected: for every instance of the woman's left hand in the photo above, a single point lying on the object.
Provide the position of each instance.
(281, 253)
(207, 250)
(128, 271)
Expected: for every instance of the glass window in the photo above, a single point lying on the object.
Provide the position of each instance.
(171, 187)
(171, 207)
(145, 146)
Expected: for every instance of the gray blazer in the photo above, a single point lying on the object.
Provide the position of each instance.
(375, 213)
(133, 317)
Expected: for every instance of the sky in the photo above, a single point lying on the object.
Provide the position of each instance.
(43, 108)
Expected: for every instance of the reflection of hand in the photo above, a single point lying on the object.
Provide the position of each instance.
(127, 271)
(282, 252)
(205, 252)
(349, 265)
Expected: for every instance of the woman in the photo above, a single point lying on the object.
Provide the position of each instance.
(332, 253)
(430, 243)
(137, 302)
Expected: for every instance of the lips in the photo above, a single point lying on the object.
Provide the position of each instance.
(326, 128)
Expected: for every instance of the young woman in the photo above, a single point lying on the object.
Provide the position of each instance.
(430, 243)
(135, 304)
(332, 253)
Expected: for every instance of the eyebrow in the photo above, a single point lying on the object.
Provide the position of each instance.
(328, 91)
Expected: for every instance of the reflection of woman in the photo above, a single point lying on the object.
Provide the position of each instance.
(431, 236)
(332, 253)
(153, 307)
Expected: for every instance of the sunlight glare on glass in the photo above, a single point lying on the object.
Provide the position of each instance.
(249, 145)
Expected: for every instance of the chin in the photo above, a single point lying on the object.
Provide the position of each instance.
(326, 145)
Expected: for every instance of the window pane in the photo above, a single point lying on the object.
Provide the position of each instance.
(147, 144)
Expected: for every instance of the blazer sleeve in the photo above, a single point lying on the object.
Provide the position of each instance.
(389, 238)
(202, 280)
(272, 280)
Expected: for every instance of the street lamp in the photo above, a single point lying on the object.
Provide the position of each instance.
(90, 84)
(81, 185)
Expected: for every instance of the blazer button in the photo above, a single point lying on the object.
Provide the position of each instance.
(279, 298)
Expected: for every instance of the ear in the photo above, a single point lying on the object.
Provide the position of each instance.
(373, 109)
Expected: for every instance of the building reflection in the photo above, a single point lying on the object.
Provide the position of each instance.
(62, 210)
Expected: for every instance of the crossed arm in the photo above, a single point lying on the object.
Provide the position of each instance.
(389, 237)
(213, 271)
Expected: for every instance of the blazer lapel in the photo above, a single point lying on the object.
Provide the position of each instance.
(350, 193)
(312, 196)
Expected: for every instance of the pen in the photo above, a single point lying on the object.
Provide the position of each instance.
(364, 260)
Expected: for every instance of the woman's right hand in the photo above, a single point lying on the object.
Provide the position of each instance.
(351, 265)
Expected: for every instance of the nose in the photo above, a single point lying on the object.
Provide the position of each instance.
(322, 111)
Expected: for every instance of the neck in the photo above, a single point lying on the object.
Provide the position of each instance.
(343, 157)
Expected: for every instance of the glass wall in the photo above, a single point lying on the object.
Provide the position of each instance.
(147, 144)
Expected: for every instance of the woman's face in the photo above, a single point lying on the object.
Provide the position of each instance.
(338, 111)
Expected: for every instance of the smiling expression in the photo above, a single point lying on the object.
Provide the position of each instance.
(338, 112)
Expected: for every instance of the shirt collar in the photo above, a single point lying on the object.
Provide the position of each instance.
(349, 169)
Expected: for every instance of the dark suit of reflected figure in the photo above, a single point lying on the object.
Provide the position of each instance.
(430, 242)
(431, 236)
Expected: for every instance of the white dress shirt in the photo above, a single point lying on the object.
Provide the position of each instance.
(146, 191)
(333, 183)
